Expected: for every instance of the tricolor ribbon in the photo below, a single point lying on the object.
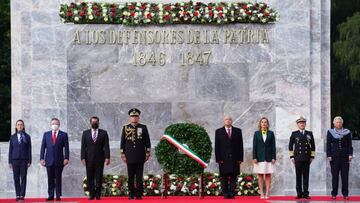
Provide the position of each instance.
(185, 149)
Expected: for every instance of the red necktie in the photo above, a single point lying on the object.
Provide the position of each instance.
(229, 134)
(54, 137)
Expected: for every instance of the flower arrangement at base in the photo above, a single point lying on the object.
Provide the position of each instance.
(177, 185)
(145, 13)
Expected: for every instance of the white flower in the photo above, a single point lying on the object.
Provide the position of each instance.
(87, 193)
(121, 6)
(84, 185)
(62, 13)
(115, 177)
(76, 12)
(232, 19)
(161, 13)
(138, 4)
(252, 18)
(91, 17)
(208, 192)
(76, 18)
(156, 191)
(216, 193)
(249, 5)
(182, 4)
(260, 15)
(104, 10)
(264, 20)
(78, 3)
(173, 15)
(114, 193)
(113, 189)
(106, 19)
(160, 6)
(146, 177)
(89, 12)
(158, 176)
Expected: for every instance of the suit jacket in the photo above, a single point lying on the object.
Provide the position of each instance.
(95, 153)
(264, 151)
(20, 151)
(229, 152)
(135, 143)
(302, 146)
(337, 148)
(54, 154)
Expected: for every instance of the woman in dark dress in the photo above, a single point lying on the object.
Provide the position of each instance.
(339, 153)
(20, 158)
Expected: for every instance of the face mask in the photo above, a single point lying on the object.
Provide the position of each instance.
(95, 125)
(55, 127)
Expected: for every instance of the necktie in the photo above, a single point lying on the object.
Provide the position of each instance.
(229, 134)
(54, 137)
(94, 136)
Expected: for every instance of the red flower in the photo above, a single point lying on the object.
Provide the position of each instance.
(113, 14)
(97, 13)
(248, 186)
(213, 185)
(249, 178)
(168, 8)
(148, 16)
(82, 13)
(220, 15)
(156, 8)
(196, 13)
(167, 17)
(244, 7)
(179, 179)
(248, 13)
(193, 187)
(210, 13)
(209, 7)
(132, 14)
(219, 8)
(72, 4)
(179, 185)
(131, 7)
(267, 14)
(154, 185)
(113, 9)
(69, 14)
(210, 177)
(95, 7)
(143, 7)
(197, 7)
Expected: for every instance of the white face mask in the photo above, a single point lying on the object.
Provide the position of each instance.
(55, 127)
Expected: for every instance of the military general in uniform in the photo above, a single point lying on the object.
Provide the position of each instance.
(135, 151)
(302, 152)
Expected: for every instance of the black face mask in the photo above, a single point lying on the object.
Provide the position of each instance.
(95, 125)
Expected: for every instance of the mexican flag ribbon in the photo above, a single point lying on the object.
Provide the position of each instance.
(185, 149)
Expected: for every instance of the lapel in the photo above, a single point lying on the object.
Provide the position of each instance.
(267, 136)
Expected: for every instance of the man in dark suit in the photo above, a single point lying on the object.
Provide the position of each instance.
(229, 154)
(54, 154)
(95, 152)
(20, 158)
(302, 152)
(135, 151)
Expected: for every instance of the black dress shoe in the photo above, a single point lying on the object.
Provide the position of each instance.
(139, 197)
(98, 197)
(17, 199)
(298, 197)
(50, 199)
(307, 197)
(131, 197)
(333, 197)
(91, 197)
(346, 197)
(58, 199)
(22, 198)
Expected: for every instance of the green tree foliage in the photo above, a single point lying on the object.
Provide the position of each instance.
(5, 71)
(345, 63)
